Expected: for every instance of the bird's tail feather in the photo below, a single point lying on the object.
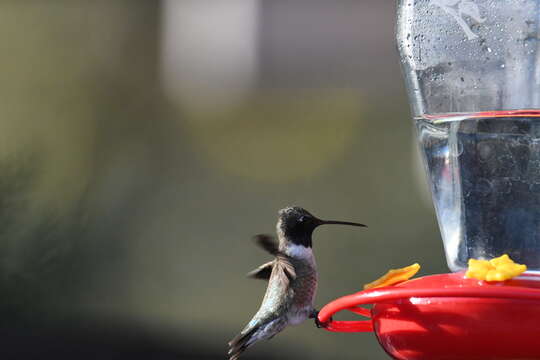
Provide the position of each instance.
(240, 343)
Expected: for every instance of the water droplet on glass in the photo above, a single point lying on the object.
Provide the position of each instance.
(484, 187)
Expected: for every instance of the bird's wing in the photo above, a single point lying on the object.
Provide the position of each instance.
(285, 269)
(268, 243)
(263, 272)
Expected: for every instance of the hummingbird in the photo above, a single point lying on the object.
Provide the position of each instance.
(292, 278)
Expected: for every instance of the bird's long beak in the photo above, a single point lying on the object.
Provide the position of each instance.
(332, 222)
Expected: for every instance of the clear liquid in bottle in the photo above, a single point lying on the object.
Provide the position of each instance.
(484, 173)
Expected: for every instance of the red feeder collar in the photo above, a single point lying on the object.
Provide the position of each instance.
(435, 286)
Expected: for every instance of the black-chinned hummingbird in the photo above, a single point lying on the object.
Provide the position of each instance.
(292, 278)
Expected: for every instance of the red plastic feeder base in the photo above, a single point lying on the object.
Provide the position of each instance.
(448, 317)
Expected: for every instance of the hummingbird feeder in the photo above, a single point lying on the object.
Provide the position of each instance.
(472, 73)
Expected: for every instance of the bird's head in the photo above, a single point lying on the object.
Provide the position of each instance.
(296, 225)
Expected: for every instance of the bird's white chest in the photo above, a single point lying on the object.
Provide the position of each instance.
(302, 253)
(305, 286)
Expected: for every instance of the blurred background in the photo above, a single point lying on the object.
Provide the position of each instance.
(143, 143)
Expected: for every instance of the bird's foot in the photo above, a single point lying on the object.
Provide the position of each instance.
(315, 315)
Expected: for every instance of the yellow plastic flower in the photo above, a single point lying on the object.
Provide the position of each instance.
(497, 269)
(394, 276)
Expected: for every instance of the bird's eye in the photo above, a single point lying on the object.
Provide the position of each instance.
(301, 218)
